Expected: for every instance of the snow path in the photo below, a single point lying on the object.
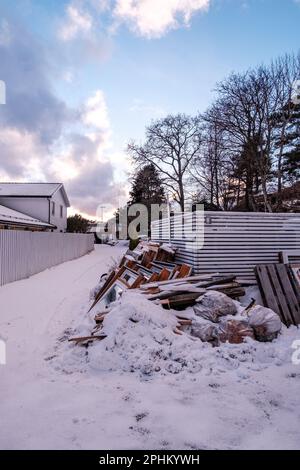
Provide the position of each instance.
(45, 407)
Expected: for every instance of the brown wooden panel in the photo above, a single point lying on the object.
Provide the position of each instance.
(294, 283)
(289, 292)
(164, 275)
(184, 271)
(266, 289)
(278, 292)
(280, 295)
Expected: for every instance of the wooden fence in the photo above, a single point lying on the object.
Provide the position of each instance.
(23, 254)
(229, 242)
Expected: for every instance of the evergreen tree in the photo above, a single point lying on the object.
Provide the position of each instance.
(147, 187)
(287, 151)
(77, 223)
(291, 150)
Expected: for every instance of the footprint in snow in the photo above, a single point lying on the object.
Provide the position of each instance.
(141, 416)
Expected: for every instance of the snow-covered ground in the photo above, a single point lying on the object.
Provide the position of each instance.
(54, 395)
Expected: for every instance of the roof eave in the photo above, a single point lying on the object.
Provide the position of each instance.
(24, 224)
(62, 188)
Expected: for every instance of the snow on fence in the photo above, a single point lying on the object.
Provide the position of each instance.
(23, 254)
(233, 242)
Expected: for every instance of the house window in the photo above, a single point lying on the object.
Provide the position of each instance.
(61, 211)
(53, 208)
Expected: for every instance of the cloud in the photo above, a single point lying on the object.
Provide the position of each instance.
(92, 182)
(95, 112)
(5, 34)
(147, 18)
(31, 104)
(139, 106)
(41, 138)
(84, 36)
(153, 18)
(19, 152)
(77, 22)
(95, 187)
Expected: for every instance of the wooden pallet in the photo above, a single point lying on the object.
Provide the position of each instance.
(279, 291)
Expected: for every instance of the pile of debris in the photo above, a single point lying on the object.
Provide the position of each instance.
(151, 268)
(201, 306)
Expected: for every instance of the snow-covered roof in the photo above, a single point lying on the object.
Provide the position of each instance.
(10, 216)
(32, 190)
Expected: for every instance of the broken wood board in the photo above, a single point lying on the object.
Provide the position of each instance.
(184, 271)
(180, 301)
(103, 289)
(164, 275)
(81, 339)
(200, 277)
(171, 293)
(110, 281)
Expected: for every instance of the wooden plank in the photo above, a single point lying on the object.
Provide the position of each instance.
(289, 292)
(185, 286)
(164, 275)
(130, 264)
(184, 271)
(171, 268)
(217, 282)
(80, 339)
(266, 289)
(148, 257)
(100, 317)
(280, 294)
(183, 298)
(287, 254)
(123, 261)
(195, 278)
(154, 277)
(171, 293)
(140, 280)
(294, 282)
(105, 286)
(165, 265)
(113, 277)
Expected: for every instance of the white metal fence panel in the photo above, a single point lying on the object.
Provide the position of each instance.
(23, 254)
(233, 242)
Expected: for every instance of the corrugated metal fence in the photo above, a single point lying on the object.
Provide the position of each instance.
(233, 242)
(23, 254)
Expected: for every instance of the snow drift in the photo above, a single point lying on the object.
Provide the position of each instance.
(141, 339)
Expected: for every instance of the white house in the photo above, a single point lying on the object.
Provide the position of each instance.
(43, 205)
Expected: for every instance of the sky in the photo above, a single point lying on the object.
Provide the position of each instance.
(84, 77)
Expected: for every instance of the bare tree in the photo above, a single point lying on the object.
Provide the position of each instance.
(212, 169)
(254, 123)
(243, 111)
(172, 144)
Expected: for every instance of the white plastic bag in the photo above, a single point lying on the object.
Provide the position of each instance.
(213, 305)
(206, 332)
(265, 323)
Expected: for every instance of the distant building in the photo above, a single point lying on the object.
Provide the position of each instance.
(33, 206)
